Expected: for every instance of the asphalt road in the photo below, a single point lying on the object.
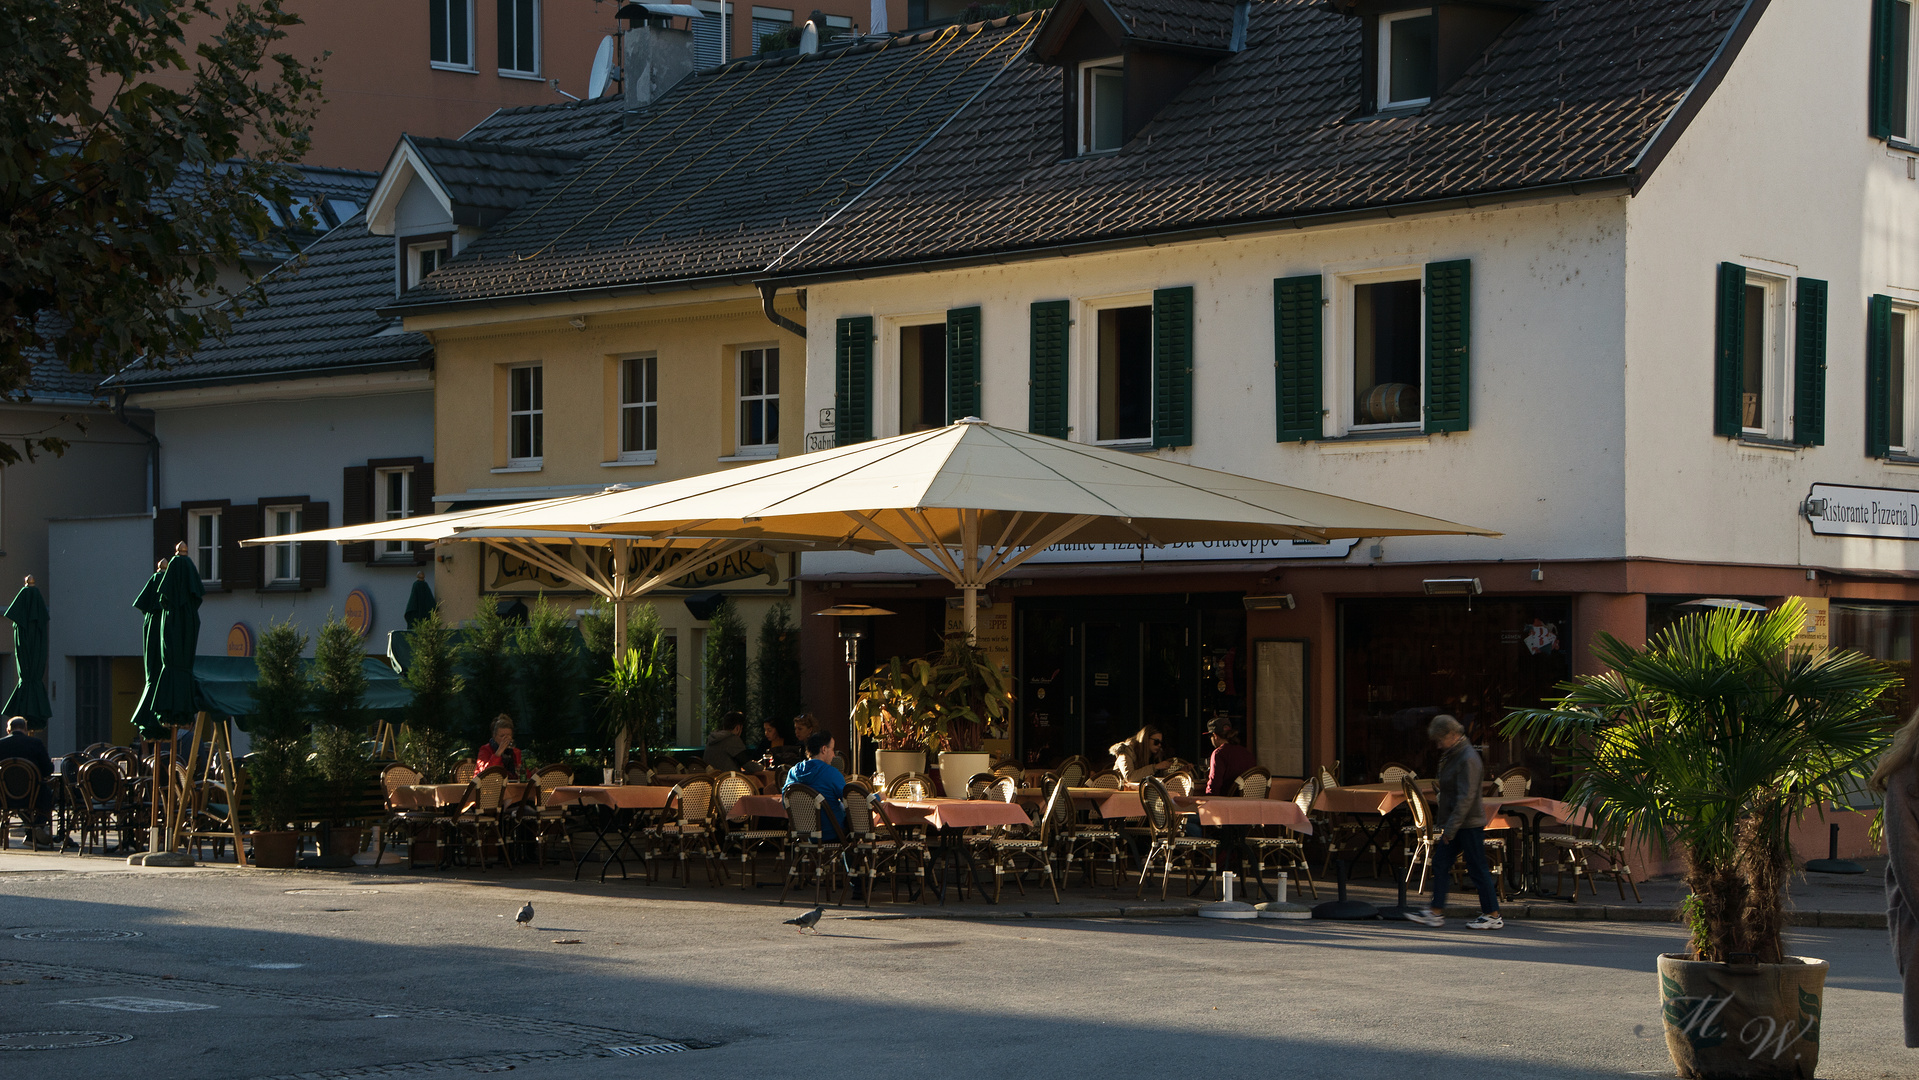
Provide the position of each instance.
(262, 974)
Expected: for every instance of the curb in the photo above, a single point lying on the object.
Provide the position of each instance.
(1846, 920)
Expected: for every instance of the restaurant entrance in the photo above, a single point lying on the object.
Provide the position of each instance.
(1404, 661)
(1093, 669)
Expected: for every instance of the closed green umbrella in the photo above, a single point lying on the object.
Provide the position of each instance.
(148, 604)
(29, 614)
(169, 697)
(419, 602)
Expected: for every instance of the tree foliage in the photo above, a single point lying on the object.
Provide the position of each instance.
(486, 662)
(726, 689)
(548, 654)
(338, 692)
(637, 697)
(277, 768)
(432, 715)
(141, 144)
(776, 667)
(1711, 742)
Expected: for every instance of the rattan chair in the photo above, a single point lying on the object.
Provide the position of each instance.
(19, 798)
(909, 787)
(693, 832)
(463, 771)
(1179, 782)
(1169, 843)
(977, 784)
(1515, 782)
(544, 818)
(809, 855)
(1014, 854)
(1253, 783)
(1393, 772)
(1421, 835)
(741, 838)
(1107, 779)
(483, 816)
(1571, 852)
(892, 850)
(101, 797)
(1073, 771)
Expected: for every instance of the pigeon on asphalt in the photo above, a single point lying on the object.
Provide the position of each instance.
(807, 921)
(525, 917)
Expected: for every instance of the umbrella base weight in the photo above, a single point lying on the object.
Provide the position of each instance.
(160, 858)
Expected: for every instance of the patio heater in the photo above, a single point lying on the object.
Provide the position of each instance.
(850, 635)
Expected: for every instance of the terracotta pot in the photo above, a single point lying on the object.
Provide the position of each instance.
(276, 850)
(1740, 1021)
(344, 842)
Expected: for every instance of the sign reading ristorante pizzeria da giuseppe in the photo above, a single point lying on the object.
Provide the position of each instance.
(1887, 513)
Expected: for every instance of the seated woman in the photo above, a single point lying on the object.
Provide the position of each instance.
(1139, 757)
(782, 748)
(499, 753)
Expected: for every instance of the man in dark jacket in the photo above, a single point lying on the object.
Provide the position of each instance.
(19, 744)
(1462, 826)
(726, 747)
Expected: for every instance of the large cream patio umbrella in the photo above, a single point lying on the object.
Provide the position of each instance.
(969, 501)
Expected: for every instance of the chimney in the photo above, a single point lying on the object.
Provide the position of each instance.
(657, 55)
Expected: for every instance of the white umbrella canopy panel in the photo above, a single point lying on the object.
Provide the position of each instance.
(971, 501)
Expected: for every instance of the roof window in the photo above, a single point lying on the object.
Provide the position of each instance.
(1408, 58)
(1102, 105)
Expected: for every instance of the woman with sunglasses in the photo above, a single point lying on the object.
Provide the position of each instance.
(1139, 756)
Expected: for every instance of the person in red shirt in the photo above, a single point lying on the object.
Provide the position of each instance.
(500, 753)
(1229, 758)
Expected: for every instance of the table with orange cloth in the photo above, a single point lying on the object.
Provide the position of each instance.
(617, 811)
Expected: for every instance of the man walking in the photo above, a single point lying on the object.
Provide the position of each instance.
(1462, 826)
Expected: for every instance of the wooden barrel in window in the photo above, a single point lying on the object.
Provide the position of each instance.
(1390, 403)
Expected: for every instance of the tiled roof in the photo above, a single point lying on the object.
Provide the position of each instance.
(319, 318)
(1571, 93)
(1205, 24)
(560, 126)
(487, 179)
(730, 169)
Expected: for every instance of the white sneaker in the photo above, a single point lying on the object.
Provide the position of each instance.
(1490, 921)
(1429, 917)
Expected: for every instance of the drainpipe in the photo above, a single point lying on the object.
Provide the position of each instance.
(153, 450)
(767, 291)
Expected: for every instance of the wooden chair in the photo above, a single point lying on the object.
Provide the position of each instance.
(1168, 841)
(909, 787)
(743, 839)
(19, 797)
(1393, 772)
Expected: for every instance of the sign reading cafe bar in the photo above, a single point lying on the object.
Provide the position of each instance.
(1887, 513)
(745, 572)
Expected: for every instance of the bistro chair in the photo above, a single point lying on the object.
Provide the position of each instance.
(1018, 853)
(1011, 769)
(463, 772)
(1393, 772)
(1571, 853)
(1107, 779)
(484, 816)
(1329, 778)
(976, 786)
(694, 832)
(1169, 843)
(545, 819)
(742, 838)
(638, 774)
(1421, 835)
(1253, 783)
(19, 797)
(1089, 843)
(1003, 789)
(909, 787)
(408, 821)
(1179, 782)
(890, 849)
(809, 857)
(102, 799)
(1073, 771)
(1514, 782)
(395, 776)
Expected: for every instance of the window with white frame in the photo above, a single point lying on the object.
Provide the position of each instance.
(450, 33)
(1102, 105)
(519, 37)
(1125, 374)
(1763, 407)
(1387, 354)
(203, 542)
(922, 377)
(393, 500)
(525, 416)
(423, 259)
(759, 393)
(283, 560)
(1408, 59)
(1903, 429)
(639, 409)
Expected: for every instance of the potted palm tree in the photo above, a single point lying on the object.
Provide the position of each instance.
(889, 712)
(1710, 743)
(636, 693)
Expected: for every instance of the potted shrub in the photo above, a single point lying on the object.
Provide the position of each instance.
(1711, 742)
(341, 760)
(888, 712)
(427, 740)
(276, 770)
(638, 692)
(969, 694)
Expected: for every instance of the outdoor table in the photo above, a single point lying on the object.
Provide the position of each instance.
(617, 809)
(1285, 787)
(1535, 808)
(1237, 810)
(1360, 802)
(946, 818)
(758, 806)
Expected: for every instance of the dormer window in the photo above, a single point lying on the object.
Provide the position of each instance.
(423, 259)
(1408, 58)
(1102, 97)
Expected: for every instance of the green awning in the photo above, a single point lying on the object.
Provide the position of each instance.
(226, 686)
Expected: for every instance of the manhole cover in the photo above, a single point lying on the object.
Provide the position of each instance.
(78, 935)
(139, 1004)
(58, 1040)
(330, 892)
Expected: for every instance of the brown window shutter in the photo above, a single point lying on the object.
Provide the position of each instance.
(422, 504)
(240, 566)
(313, 554)
(169, 528)
(356, 508)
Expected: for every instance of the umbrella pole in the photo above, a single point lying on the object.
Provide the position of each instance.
(969, 619)
(620, 739)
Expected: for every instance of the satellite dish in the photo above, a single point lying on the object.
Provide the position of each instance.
(809, 38)
(602, 69)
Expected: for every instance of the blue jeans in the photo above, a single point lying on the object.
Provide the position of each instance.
(1470, 843)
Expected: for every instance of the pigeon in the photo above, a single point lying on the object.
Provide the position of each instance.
(525, 917)
(807, 921)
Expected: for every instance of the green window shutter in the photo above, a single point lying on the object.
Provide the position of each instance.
(1046, 382)
(1879, 376)
(1298, 366)
(1882, 89)
(962, 363)
(853, 381)
(1449, 336)
(1173, 366)
(1729, 348)
(1809, 365)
